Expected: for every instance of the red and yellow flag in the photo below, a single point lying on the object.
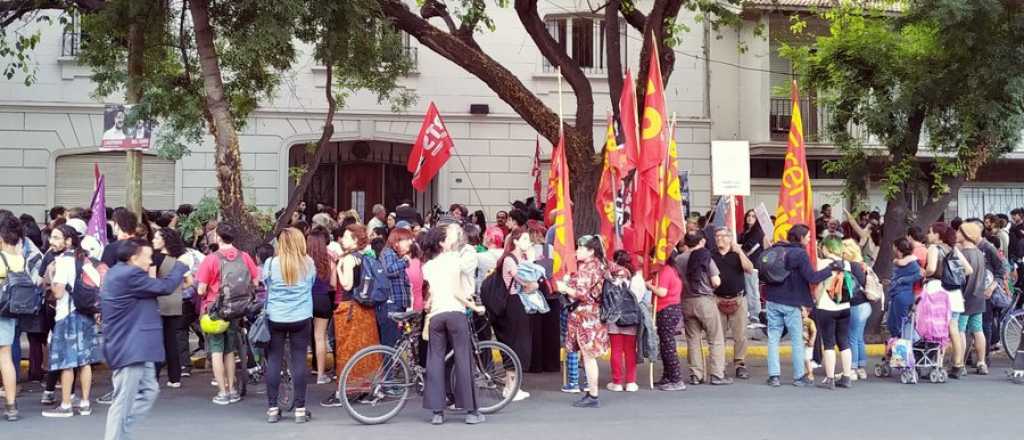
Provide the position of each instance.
(671, 225)
(628, 126)
(653, 146)
(606, 193)
(796, 202)
(564, 254)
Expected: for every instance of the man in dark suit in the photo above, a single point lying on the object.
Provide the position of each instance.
(133, 333)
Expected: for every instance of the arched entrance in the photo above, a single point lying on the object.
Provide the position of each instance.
(359, 174)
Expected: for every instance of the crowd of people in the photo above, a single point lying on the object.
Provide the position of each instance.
(138, 303)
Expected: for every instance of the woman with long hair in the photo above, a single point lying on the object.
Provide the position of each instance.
(941, 242)
(289, 277)
(74, 343)
(832, 313)
(752, 243)
(323, 297)
(448, 324)
(395, 259)
(169, 244)
(860, 311)
(586, 333)
(513, 328)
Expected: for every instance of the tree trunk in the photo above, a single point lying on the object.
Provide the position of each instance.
(614, 55)
(133, 95)
(314, 163)
(228, 162)
(583, 177)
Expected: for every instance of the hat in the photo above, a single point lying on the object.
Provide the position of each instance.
(972, 231)
(78, 225)
(403, 225)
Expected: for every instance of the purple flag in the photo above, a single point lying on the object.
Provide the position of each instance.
(97, 227)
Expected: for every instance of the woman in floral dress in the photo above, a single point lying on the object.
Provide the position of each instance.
(586, 333)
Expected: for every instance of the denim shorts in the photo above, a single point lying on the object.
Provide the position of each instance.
(7, 331)
(970, 323)
(226, 342)
(955, 317)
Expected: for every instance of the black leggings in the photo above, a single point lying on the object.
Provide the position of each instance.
(297, 333)
(833, 328)
(172, 357)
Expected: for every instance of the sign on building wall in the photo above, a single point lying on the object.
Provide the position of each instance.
(730, 168)
(120, 134)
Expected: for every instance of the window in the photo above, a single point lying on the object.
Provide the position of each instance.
(71, 40)
(410, 49)
(582, 37)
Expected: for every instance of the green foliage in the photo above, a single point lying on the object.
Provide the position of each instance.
(939, 85)
(191, 226)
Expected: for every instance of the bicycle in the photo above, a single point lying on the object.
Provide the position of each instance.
(1012, 324)
(378, 380)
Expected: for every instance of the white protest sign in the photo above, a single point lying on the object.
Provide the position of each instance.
(730, 168)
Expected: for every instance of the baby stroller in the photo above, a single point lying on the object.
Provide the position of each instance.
(921, 349)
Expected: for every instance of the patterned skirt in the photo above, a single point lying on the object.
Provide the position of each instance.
(74, 343)
(355, 328)
(586, 333)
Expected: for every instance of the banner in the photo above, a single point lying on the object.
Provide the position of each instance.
(764, 220)
(796, 203)
(671, 224)
(564, 254)
(97, 227)
(121, 133)
(653, 147)
(629, 127)
(432, 149)
(730, 168)
(607, 193)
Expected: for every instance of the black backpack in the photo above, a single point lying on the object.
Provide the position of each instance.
(86, 298)
(772, 266)
(954, 275)
(618, 304)
(19, 295)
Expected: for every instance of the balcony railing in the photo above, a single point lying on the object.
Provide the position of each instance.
(70, 44)
(815, 119)
(413, 55)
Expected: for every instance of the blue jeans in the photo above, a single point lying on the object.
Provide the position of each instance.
(859, 315)
(16, 351)
(753, 288)
(779, 316)
(899, 309)
(135, 392)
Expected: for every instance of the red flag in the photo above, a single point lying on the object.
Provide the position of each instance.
(796, 203)
(653, 147)
(606, 193)
(432, 149)
(671, 225)
(741, 218)
(96, 172)
(536, 174)
(628, 123)
(564, 254)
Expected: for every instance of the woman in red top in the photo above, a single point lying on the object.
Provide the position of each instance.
(586, 333)
(669, 316)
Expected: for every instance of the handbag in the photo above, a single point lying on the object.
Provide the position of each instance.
(259, 331)
(873, 287)
(728, 306)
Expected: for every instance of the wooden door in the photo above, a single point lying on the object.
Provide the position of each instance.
(397, 186)
(359, 187)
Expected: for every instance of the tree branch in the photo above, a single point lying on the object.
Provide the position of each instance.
(633, 16)
(932, 210)
(570, 69)
(434, 8)
(614, 57)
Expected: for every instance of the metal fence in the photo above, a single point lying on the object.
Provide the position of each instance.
(976, 202)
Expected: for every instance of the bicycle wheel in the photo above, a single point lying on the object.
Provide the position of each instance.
(375, 384)
(497, 375)
(1011, 332)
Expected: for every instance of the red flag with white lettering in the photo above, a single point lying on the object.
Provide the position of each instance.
(432, 149)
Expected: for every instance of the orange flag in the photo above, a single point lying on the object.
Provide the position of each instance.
(671, 225)
(796, 202)
(564, 254)
(606, 192)
(653, 146)
(628, 125)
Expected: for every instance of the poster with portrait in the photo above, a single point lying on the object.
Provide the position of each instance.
(123, 131)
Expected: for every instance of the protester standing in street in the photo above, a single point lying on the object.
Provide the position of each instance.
(169, 247)
(133, 341)
(733, 266)
(586, 333)
(701, 277)
(10, 236)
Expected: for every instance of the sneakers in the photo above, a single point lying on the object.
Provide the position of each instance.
(827, 383)
(773, 381)
(614, 387)
(475, 418)
(437, 419)
(173, 384)
(587, 401)
(862, 374)
(323, 379)
(632, 387)
(49, 398)
(715, 380)
(273, 415)
(957, 372)
(222, 399)
(235, 397)
(302, 415)
(186, 372)
(845, 382)
(672, 386)
(59, 412)
(742, 372)
(982, 369)
(694, 380)
(11, 412)
(106, 399)
(331, 401)
(570, 388)
(521, 395)
(805, 382)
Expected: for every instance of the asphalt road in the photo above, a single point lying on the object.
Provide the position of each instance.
(979, 407)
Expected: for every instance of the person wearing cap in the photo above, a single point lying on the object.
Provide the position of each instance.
(975, 297)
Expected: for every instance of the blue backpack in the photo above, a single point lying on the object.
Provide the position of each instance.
(374, 287)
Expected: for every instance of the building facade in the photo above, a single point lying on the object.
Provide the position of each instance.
(51, 129)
